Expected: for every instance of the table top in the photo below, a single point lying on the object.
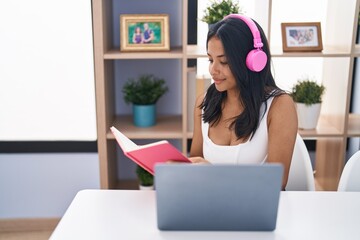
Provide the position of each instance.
(131, 214)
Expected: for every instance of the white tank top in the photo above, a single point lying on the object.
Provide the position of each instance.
(252, 151)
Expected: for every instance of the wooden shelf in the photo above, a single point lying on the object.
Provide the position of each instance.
(323, 129)
(357, 50)
(354, 125)
(167, 127)
(189, 135)
(174, 53)
(327, 52)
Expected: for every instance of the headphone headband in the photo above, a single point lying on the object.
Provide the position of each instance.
(253, 28)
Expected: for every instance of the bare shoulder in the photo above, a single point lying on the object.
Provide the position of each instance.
(198, 102)
(283, 99)
(283, 110)
(282, 102)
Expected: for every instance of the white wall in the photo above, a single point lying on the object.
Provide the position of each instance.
(46, 71)
(47, 93)
(43, 185)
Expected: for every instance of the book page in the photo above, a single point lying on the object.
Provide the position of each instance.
(125, 143)
(152, 144)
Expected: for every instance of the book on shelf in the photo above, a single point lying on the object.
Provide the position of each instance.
(146, 156)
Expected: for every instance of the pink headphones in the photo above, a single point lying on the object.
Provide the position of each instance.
(256, 58)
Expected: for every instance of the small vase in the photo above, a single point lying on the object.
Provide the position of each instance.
(144, 115)
(308, 116)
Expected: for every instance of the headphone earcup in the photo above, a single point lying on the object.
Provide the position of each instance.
(256, 60)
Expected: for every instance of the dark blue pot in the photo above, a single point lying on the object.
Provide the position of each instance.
(144, 115)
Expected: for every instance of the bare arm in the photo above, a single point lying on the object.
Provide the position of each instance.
(282, 130)
(197, 140)
(196, 151)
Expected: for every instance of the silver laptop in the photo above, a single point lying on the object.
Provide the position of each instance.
(217, 197)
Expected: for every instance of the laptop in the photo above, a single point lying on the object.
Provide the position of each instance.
(217, 197)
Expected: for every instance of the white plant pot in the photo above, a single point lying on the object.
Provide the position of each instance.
(141, 187)
(308, 116)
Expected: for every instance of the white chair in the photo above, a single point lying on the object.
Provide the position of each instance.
(350, 176)
(301, 176)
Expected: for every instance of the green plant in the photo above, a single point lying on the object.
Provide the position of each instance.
(307, 91)
(218, 9)
(145, 178)
(146, 90)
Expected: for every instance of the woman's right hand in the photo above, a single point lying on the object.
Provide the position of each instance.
(199, 160)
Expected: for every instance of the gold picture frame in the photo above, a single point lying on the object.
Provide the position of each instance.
(301, 37)
(144, 32)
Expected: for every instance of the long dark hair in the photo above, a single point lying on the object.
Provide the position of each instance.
(255, 87)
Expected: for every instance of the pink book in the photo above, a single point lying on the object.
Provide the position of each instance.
(148, 155)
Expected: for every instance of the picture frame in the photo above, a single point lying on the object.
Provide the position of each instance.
(301, 37)
(144, 32)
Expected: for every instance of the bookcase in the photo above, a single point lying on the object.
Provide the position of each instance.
(112, 67)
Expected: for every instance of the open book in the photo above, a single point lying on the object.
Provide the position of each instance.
(148, 155)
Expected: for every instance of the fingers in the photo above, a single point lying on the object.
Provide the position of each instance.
(194, 160)
(175, 162)
(199, 160)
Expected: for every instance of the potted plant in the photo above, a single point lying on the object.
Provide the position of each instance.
(218, 9)
(146, 179)
(143, 93)
(307, 95)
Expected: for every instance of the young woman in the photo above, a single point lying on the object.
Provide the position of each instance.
(243, 117)
(138, 36)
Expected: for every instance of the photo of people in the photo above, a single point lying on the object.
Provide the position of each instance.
(302, 36)
(144, 33)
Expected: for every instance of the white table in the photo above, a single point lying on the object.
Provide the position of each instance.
(131, 214)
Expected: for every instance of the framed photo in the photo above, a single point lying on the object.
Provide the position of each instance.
(144, 32)
(301, 37)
